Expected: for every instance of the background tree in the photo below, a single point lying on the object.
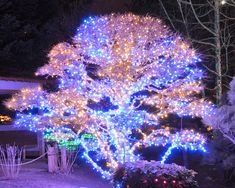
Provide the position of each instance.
(225, 117)
(119, 74)
(223, 147)
(209, 25)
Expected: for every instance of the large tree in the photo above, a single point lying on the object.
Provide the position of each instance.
(120, 73)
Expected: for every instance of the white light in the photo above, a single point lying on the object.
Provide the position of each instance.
(223, 2)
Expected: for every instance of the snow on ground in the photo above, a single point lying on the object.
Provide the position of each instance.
(35, 175)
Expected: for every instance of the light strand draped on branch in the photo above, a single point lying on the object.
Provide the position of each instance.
(120, 72)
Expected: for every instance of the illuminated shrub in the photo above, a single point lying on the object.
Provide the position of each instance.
(144, 174)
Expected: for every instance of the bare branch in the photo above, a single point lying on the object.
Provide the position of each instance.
(165, 11)
(199, 21)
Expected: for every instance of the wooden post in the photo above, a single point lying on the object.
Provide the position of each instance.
(52, 159)
(63, 159)
(40, 143)
(24, 153)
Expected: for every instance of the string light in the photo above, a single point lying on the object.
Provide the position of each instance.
(121, 72)
(5, 118)
(223, 2)
(154, 174)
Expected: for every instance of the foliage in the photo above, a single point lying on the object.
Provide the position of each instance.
(144, 174)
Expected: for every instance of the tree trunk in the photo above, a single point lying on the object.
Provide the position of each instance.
(218, 53)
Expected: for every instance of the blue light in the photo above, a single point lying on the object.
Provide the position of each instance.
(141, 75)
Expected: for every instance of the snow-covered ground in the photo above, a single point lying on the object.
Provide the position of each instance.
(35, 175)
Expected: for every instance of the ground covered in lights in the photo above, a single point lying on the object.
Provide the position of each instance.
(36, 176)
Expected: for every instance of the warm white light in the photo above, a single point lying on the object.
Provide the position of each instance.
(120, 72)
(223, 2)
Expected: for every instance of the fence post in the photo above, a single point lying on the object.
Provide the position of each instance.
(52, 159)
(63, 159)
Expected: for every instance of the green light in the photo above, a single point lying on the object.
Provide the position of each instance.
(88, 136)
(69, 144)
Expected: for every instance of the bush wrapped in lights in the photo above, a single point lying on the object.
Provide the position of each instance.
(119, 73)
(153, 174)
